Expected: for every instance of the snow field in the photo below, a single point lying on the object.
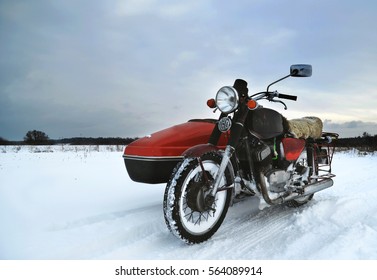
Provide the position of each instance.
(77, 202)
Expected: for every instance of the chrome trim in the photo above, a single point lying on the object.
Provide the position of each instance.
(151, 158)
(224, 124)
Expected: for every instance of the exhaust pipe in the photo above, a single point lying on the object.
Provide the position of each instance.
(318, 186)
(308, 190)
(311, 188)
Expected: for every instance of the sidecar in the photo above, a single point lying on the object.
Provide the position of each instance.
(151, 159)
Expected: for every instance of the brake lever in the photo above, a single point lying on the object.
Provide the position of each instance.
(285, 106)
(279, 101)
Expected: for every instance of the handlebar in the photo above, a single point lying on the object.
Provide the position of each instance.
(287, 96)
(271, 95)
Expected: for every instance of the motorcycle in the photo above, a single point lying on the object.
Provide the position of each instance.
(248, 151)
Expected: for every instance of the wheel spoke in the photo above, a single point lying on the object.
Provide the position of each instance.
(190, 214)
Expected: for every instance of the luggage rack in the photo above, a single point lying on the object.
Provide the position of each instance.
(323, 155)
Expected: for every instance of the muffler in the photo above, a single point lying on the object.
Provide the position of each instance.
(311, 188)
(308, 190)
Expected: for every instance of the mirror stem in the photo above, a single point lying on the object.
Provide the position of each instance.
(277, 81)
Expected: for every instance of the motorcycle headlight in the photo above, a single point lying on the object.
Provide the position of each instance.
(227, 99)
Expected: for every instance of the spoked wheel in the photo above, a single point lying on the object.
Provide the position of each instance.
(307, 161)
(190, 212)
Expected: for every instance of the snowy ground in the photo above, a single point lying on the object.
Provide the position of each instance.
(63, 202)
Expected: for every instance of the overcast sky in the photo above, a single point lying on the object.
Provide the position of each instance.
(130, 68)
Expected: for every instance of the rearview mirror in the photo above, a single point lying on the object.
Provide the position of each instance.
(301, 70)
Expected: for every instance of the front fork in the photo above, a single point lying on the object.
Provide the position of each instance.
(235, 136)
(229, 150)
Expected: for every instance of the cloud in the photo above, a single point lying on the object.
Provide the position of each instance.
(351, 128)
(166, 9)
(141, 62)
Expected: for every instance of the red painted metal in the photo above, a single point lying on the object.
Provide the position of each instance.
(293, 147)
(175, 140)
(199, 150)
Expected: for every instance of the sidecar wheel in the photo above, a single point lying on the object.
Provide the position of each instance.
(186, 214)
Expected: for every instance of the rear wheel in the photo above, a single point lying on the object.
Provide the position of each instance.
(190, 212)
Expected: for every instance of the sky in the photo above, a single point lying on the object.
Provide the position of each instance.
(129, 68)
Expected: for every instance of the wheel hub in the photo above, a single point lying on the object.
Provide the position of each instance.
(198, 198)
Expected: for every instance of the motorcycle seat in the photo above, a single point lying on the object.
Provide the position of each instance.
(306, 127)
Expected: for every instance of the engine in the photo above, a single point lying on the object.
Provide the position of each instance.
(277, 180)
(294, 177)
(280, 161)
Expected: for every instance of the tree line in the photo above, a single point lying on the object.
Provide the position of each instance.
(365, 142)
(36, 137)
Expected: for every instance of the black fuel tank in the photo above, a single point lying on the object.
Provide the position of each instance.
(265, 123)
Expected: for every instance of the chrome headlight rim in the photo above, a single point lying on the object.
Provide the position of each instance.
(227, 99)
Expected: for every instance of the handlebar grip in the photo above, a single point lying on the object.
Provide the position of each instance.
(286, 96)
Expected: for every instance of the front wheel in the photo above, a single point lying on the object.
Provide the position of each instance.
(190, 212)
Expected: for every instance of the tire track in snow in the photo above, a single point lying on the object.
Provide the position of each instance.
(256, 230)
(110, 232)
(245, 229)
(140, 233)
(100, 218)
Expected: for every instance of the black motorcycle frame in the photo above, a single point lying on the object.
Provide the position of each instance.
(244, 145)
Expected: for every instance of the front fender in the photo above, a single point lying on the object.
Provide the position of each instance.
(199, 150)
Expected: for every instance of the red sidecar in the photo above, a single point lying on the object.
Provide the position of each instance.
(151, 159)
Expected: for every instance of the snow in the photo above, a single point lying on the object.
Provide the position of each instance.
(77, 202)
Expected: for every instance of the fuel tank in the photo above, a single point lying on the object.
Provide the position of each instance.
(265, 123)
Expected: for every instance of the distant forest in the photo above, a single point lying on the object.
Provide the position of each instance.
(37, 137)
(74, 141)
(366, 142)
